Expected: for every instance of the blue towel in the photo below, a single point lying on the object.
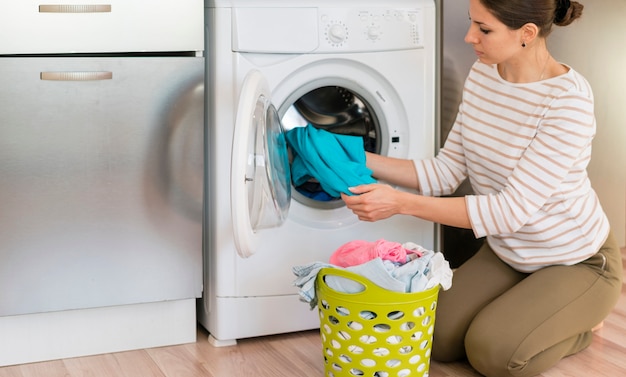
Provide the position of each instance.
(335, 161)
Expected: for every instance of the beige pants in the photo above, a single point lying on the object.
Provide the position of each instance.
(509, 323)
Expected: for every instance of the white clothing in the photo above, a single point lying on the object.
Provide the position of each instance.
(525, 149)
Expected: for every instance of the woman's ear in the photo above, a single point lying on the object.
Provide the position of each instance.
(529, 33)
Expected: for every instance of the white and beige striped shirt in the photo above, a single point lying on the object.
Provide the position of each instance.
(525, 149)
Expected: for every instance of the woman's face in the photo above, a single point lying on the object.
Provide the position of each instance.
(493, 41)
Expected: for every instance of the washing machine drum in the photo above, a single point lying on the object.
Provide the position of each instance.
(337, 110)
(340, 111)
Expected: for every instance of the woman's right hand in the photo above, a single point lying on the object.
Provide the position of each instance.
(374, 202)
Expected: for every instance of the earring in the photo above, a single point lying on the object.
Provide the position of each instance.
(523, 44)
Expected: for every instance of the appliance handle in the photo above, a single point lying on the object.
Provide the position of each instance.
(76, 76)
(75, 8)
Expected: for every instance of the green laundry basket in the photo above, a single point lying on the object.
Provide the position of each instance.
(376, 332)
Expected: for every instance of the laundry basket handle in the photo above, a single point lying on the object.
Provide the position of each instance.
(369, 288)
(371, 291)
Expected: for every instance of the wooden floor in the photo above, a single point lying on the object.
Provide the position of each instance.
(299, 355)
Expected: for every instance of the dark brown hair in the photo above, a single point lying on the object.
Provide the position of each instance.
(543, 13)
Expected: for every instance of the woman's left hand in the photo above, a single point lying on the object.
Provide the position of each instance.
(373, 202)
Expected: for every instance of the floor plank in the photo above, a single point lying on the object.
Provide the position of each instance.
(94, 366)
(138, 363)
(177, 361)
(49, 369)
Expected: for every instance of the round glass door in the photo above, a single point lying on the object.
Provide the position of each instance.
(260, 177)
(269, 194)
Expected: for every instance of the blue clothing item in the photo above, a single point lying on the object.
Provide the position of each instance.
(335, 161)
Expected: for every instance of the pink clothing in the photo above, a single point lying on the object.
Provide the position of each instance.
(358, 252)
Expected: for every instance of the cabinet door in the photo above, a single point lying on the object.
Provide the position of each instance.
(71, 26)
(101, 170)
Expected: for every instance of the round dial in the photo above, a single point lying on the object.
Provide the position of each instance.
(373, 33)
(337, 33)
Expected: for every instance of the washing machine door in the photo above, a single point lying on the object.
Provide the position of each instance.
(260, 175)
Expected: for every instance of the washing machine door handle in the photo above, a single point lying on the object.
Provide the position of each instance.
(260, 171)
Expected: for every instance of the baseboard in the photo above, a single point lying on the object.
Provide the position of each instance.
(235, 318)
(59, 335)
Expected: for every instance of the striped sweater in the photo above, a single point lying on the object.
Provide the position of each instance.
(525, 149)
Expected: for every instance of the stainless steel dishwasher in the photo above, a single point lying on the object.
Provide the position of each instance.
(101, 174)
(101, 181)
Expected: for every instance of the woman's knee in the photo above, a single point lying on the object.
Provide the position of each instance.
(488, 351)
(484, 354)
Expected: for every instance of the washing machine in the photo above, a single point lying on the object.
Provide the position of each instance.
(364, 68)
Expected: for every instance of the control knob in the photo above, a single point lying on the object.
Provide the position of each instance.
(337, 33)
(373, 33)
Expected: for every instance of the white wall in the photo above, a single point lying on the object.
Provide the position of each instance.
(594, 46)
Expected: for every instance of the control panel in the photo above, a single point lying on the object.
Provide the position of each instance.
(373, 29)
(328, 29)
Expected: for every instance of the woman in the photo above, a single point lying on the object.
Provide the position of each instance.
(550, 269)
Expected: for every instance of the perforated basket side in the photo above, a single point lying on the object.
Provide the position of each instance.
(375, 332)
